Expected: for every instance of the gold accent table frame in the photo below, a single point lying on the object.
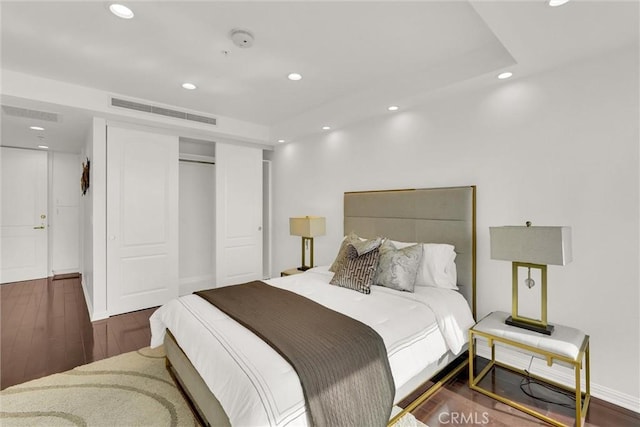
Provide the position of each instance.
(576, 363)
(290, 272)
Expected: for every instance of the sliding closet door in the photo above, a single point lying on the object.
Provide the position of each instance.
(238, 214)
(142, 219)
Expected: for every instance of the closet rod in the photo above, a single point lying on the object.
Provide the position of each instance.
(197, 161)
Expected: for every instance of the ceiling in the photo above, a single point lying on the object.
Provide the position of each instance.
(356, 57)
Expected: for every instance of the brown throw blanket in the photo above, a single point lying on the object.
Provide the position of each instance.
(342, 363)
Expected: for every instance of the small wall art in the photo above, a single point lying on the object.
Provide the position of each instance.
(84, 181)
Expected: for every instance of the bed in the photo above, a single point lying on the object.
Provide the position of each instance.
(231, 377)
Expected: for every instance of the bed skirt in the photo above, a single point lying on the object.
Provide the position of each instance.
(204, 404)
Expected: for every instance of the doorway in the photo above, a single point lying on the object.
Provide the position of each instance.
(197, 225)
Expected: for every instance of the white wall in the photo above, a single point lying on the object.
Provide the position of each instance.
(65, 170)
(94, 258)
(86, 234)
(557, 148)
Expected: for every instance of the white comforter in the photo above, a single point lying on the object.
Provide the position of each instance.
(257, 387)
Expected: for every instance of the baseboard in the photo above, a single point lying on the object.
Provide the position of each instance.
(65, 272)
(559, 374)
(92, 316)
(62, 276)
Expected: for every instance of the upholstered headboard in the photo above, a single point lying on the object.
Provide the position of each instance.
(429, 215)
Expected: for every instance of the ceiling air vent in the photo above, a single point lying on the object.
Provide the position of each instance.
(31, 114)
(161, 111)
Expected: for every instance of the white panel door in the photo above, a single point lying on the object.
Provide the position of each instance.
(142, 219)
(23, 230)
(238, 214)
(197, 227)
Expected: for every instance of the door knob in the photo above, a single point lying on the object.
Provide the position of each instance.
(39, 228)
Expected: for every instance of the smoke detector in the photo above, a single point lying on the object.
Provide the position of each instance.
(241, 38)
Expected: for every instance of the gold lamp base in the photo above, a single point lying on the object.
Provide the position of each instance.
(547, 329)
(536, 325)
(306, 241)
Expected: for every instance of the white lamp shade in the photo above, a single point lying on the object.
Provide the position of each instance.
(536, 245)
(307, 226)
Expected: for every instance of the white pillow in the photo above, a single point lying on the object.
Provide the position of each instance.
(438, 267)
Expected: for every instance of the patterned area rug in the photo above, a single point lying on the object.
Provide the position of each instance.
(132, 389)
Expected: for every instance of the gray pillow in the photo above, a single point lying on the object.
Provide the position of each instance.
(398, 268)
(358, 271)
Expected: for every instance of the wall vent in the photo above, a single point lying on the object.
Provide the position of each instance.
(31, 114)
(147, 108)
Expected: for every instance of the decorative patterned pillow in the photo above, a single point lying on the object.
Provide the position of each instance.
(341, 258)
(358, 271)
(397, 268)
(361, 247)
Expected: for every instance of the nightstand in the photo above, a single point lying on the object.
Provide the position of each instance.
(290, 272)
(567, 346)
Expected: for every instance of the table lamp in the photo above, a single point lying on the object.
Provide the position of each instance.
(531, 248)
(307, 227)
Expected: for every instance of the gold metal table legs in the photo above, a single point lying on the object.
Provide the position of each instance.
(582, 398)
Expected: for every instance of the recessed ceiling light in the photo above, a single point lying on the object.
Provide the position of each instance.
(36, 128)
(505, 75)
(121, 11)
(393, 108)
(554, 3)
(43, 146)
(188, 86)
(281, 141)
(326, 127)
(295, 76)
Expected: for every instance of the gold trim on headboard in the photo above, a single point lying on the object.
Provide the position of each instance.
(381, 191)
(473, 256)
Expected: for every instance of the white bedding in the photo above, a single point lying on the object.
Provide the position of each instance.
(257, 387)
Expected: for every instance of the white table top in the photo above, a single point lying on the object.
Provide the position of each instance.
(564, 341)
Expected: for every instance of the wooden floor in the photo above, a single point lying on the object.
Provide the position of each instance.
(456, 401)
(45, 329)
